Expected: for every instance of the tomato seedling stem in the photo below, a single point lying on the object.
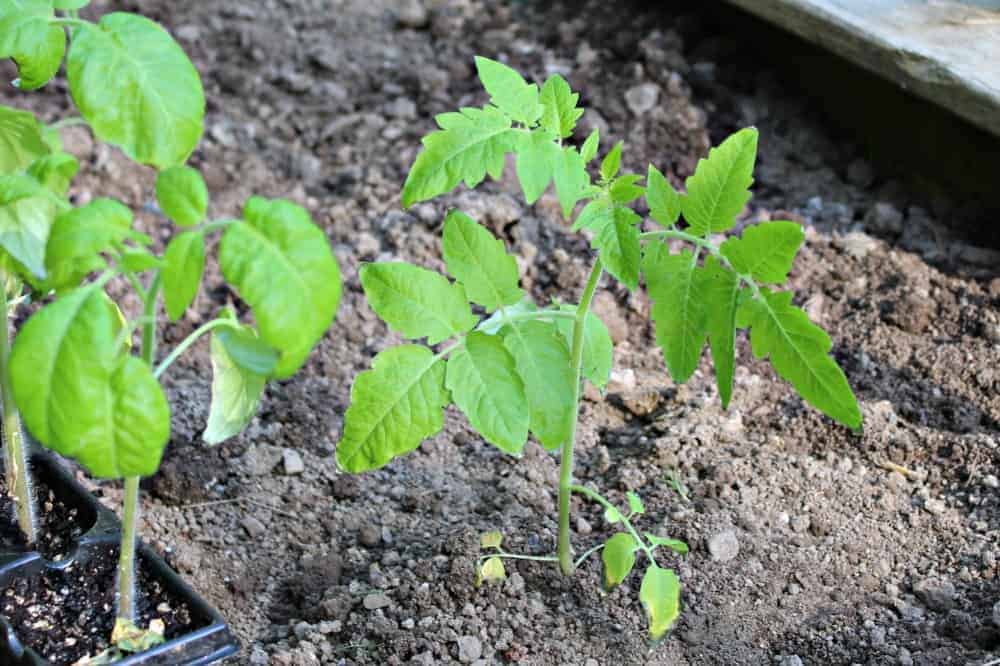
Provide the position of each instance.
(565, 547)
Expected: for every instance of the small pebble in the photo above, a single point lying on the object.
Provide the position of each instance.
(253, 527)
(292, 461)
(724, 546)
(376, 600)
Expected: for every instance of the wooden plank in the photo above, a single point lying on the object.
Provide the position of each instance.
(946, 51)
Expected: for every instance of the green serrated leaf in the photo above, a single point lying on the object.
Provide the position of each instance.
(799, 352)
(719, 188)
(660, 594)
(678, 289)
(21, 140)
(619, 558)
(536, 162)
(612, 162)
(620, 247)
(137, 89)
(544, 364)
(596, 215)
(282, 265)
(722, 291)
(26, 216)
(490, 540)
(484, 383)
(509, 91)
(184, 263)
(491, 569)
(241, 363)
(31, 41)
(663, 200)
(625, 189)
(55, 171)
(765, 251)
(78, 237)
(416, 302)
(394, 407)
(571, 179)
(561, 112)
(480, 262)
(675, 545)
(588, 151)
(598, 349)
(81, 396)
(469, 145)
(182, 195)
(635, 504)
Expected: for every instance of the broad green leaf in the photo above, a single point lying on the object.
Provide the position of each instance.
(26, 215)
(182, 195)
(799, 352)
(663, 200)
(139, 259)
(416, 302)
(81, 396)
(612, 162)
(484, 383)
(596, 215)
(509, 91)
(722, 291)
(624, 189)
(241, 364)
(21, 141)
(535, 164)
(491, 569)
(184, 263)
(282, 265)
(31, 41)
(598, 349)
(588, 151)
(490, 540)
(394, 407)
(675, 545)
(571, 179)
(619, 558)
(480, 262)
(678, 289)
(719, 188)
(660, 594)
(544, 365)
(561, 112)
(55, 171)
(469, 145)
(765, 251)
(70, 5)
(79, 236)
(619, 245)
(635, 504)
(137, 89)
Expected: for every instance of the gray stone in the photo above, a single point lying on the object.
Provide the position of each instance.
(253, 527)
(470, 649)
(261, 459)
(996, 613)
(369, 536)
(934, 506)
(377, 600)
(292, 461)
(859, 172)
(858, 244)
(642, 99)
(936, 594)
(791, 660)
(412, 14)
(884, 218)
(724, 546)
(401, 107)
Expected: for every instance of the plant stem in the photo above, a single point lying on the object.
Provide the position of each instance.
(565, 548)
(15, 447)
(597, 497)
(190, 340)
(68, 122)
(512, 556)
(712, 248)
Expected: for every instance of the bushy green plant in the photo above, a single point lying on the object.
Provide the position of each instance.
(518, 368)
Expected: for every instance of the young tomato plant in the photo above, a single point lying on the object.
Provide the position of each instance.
(519, 370)
(72, 372)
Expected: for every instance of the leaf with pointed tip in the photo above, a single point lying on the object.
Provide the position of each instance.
(416, 302)
(241, 363)
(596, 215)
(675, 545)
(619, 558)
(765, 251)
(598, 349)
(624, 189)
(31, 41)
(544, 365)
(620, 247)
(719, 188)
(137, 89)
(799, 352)
(722, 290)
(509, 91)
(535, 163)
(677, 286)
(182, 195)
(79, 236)
(561, 112)
(394, 407)
(27, 212)
(663, 200)
(571, 179)
(588, 151)
(21, 141)
(184, 263)
(282, 265)
(55, 171)
(635, 504)
(480, 262)
(469, 145)
(612, 162)
(660, 594)
(484, 383)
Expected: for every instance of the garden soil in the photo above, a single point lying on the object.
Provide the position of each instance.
(810, 544)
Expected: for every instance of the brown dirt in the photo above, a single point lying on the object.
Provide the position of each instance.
(879, 548)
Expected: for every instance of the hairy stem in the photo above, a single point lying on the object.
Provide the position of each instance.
(704, 244)
(15, 447)
(565, 548)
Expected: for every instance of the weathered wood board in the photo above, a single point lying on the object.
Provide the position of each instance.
(947, 51)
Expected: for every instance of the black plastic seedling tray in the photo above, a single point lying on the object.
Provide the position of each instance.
(207, 645)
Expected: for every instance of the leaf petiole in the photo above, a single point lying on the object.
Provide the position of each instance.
(68, 21)
(597, 497)
(583, 558)
(190, 340)
(512, 556)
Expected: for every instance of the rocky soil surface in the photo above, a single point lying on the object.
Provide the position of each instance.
(810, 544)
